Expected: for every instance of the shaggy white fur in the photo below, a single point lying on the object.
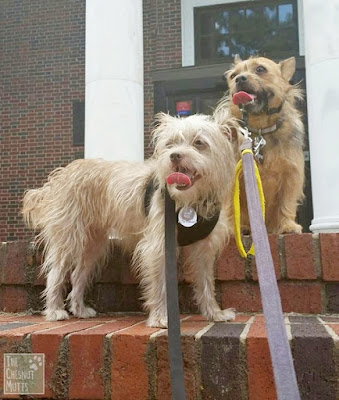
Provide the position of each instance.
(80, 206)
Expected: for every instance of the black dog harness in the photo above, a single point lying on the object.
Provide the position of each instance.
(185, 235)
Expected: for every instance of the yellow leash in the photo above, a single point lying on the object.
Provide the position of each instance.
(236, 204)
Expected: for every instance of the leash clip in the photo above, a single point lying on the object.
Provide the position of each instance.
(246, 133)
(258, 144)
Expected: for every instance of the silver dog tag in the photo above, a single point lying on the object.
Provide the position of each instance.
(187, 217)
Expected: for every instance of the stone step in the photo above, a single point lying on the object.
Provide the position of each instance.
(306, 265)
(117, 356)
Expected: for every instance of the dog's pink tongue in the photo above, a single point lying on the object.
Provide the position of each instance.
(242, 98)
(179, 178)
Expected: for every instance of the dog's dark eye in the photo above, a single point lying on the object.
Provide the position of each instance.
(170, 143)
(233, 75)
(199, 143)
(260, 69)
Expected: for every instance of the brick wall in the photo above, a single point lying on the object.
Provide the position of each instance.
(162, 49)
(306, 267)
(42, 73)
(117, 356)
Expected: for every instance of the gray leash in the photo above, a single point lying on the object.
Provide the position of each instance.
(283, 368)
(174, 337)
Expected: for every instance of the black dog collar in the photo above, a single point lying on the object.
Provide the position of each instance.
(199, 231)
(273, 110)
(185, 235)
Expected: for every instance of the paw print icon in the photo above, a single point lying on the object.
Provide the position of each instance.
(35, 362)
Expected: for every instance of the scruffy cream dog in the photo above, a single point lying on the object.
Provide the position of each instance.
(82, 204)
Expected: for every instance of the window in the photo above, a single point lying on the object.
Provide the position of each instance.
(78, 123)
(267, 28)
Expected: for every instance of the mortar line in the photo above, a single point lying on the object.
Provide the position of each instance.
(243, 356)
(202, 331)
(329, 330)
(288, 328)
(154, 335)
(109, 335)
(53, 327)
(81, 330)
(245, 331)
(317, 255)
(94, 327)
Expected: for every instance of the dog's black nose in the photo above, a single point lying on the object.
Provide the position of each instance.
(176, 157)
(240, 78)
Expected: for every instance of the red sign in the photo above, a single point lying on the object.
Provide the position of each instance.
(183, 107)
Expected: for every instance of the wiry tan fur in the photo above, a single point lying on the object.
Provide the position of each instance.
(88, 200)
(282, 170)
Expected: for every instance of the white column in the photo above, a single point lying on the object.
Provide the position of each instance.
(114, 111)
(322, 78)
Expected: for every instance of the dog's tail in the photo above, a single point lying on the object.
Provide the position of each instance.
(34, 202)
(32, 207)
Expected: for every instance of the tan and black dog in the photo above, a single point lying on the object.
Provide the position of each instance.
(274, 119)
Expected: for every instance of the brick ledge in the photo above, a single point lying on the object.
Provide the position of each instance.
(117, 356)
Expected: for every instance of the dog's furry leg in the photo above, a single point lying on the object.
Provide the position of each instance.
(289, 198)
(80, 278)
(153, 281)
(83, 274)
(202, 257)
(54, 292)
(149, 263)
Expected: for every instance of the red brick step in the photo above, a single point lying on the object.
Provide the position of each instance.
(118, 357)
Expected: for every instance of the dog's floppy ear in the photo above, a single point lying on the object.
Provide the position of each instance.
(237, 59)
(227, 74)
(230, 128)
(287, 68)
(161, 118)
(161, 122)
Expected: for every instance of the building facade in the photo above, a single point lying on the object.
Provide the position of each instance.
(42, 84)
(187, 46)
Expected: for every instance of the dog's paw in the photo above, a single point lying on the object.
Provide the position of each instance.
(85, 312)
(157, 322)
(291, 227)
(56, 315)
(224, 315)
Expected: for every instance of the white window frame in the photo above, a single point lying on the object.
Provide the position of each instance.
(187, 24)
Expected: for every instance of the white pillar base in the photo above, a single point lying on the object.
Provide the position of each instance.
(325, 225)
(322, 66)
